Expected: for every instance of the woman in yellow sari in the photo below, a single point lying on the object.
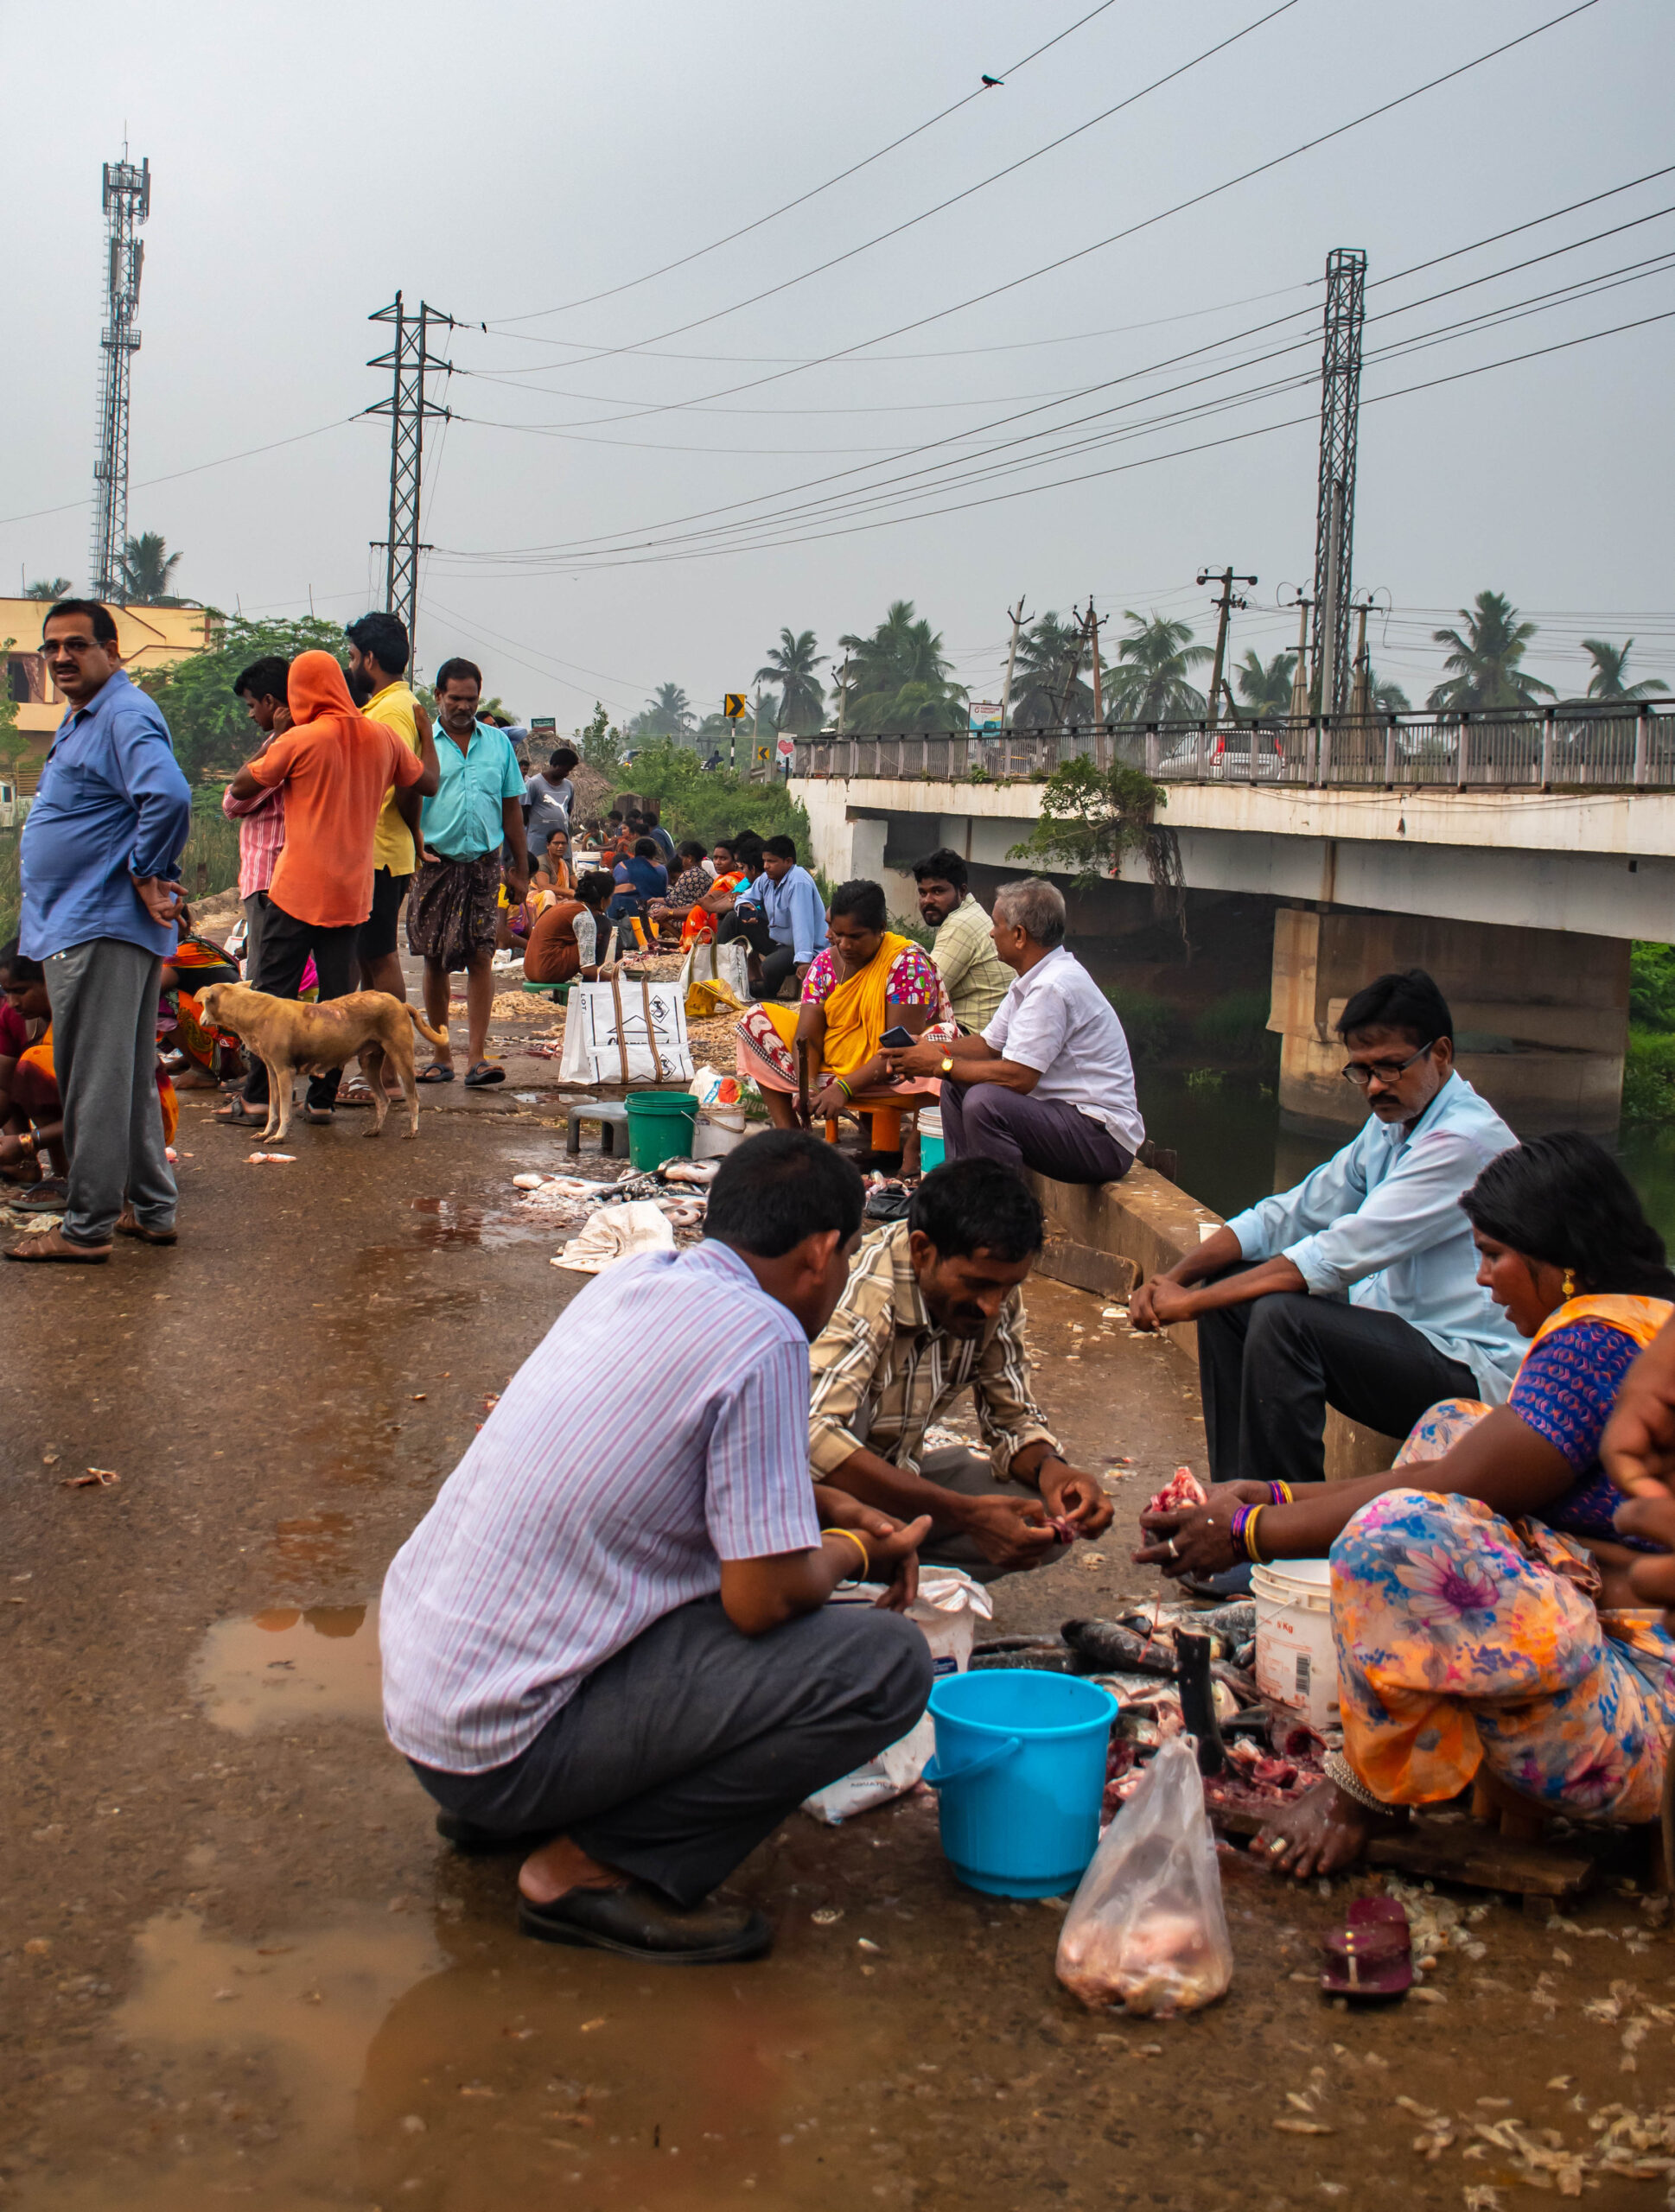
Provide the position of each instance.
(867, 980)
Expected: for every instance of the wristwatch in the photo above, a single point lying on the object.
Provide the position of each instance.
(947, 1064)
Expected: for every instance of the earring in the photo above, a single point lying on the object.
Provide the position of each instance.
(1568, 1286)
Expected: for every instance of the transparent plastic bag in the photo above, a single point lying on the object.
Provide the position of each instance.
(1146, 1929)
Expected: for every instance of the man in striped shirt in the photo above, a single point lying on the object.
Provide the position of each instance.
(609, 1638)
(261, 820)
(933, 1307)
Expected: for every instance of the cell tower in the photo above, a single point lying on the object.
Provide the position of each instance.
(1334, 527)
(410, 359)
(127, 204)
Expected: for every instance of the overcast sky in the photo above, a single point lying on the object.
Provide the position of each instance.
(516, 157)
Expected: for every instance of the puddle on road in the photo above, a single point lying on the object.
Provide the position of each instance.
(445, 1222)
(313, 1542)
(290, 1665)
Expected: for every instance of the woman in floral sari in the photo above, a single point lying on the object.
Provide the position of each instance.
(1486, 1630)
(866, 981)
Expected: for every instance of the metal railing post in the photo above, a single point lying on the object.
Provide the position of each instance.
(1390, 754)
(1463, 761)
(1547, 750)
(1203, 730)
(1325, 759)
(1153, 750)
(1642, 749)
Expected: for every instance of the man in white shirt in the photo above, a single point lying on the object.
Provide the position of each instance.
(1048, 1085)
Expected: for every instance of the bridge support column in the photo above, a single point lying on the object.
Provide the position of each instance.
(1541, 1016)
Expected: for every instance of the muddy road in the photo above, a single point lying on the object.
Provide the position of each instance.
(236, 1965)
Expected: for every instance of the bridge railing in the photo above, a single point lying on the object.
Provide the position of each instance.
(1611, 746)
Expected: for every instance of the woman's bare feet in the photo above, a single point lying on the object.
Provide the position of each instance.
(561, 1866)
(1319, 1835)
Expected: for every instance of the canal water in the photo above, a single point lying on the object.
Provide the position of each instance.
(1225, 1127)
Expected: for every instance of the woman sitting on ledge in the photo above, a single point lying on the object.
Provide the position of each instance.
(1485, 1625)
(866, 981)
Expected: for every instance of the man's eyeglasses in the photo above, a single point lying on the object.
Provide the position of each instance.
(1361, 1073)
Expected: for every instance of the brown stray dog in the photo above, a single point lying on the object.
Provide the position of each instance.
(288, 1035)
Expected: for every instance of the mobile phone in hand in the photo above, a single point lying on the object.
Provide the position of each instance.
(898, 1038)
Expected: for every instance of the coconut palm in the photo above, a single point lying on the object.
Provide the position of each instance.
(790, 664)
(1486, 660)
(1147, 682)
(1266, 690)
(898, 677)
(148, 569)
(1610, 669)
(669, 714)
(58, 587)
(1388, 696)
(1046, 685)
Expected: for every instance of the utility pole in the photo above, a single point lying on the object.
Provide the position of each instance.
(1016, 615)
(1099, 691)
(1075, 669)
(1299, 713)
(1335, 522)
(409, 361)
(843, 693)
(1228, 601)
(127, 203)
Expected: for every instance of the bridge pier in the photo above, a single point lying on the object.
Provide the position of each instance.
(1541, 1016)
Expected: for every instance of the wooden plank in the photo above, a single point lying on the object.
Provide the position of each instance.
(1458, 1851)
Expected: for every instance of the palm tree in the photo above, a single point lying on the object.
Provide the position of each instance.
(148, 569)
(669, 714)
(1149, 676)
(1610, 666)
(898, 678)
(1046, 683)
(1267, 690)
(1388, 697)
(790, 664)
(61, 588)
(1486, 660)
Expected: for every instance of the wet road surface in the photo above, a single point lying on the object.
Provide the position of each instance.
(236, 1965)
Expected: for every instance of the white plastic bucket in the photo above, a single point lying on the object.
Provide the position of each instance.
(719, 1129)
(1296, 1662)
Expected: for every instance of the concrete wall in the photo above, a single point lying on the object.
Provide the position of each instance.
(1109, 1237)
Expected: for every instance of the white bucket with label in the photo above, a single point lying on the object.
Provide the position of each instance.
(1297, 1660)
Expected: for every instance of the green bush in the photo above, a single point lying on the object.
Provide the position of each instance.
(1652, 985)
(1205, 1078)
(1235, 1029)
(1648, 1076)
(1152, 1024)
(693, 802)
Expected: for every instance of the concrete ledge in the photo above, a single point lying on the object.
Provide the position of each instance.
(1109, 1237)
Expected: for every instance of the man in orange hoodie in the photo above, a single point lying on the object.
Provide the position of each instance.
(334, 766)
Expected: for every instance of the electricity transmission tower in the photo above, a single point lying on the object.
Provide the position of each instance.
(127, 204)
(410, 359)
(1334, 526)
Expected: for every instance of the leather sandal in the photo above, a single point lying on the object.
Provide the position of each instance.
(238, 1115)
(128, 1224)
(637, 1922)
(56, 1245)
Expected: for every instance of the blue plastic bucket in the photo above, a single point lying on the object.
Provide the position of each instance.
(1020, 1771)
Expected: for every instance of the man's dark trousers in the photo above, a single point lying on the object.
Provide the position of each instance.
(1044, 1134)
(1269, 1369)
(285, 946)
(777, 959)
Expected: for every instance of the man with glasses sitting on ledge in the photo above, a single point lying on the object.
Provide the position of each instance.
(1358, 1289)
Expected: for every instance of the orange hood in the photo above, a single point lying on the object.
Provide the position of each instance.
(315, 688)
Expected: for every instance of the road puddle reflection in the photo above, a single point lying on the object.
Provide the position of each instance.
(289, 1664)
(444, 1221)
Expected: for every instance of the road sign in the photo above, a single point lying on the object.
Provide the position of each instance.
(733, 705)
(787, 747)
(764, 754)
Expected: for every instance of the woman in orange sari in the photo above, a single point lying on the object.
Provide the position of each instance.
(867, 981)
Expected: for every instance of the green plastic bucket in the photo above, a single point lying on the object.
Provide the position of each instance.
(660, 1126)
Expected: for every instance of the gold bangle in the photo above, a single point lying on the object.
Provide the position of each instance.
(1251, 1551)
(850, 1536)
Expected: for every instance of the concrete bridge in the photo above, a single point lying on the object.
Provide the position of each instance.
(1520, 892)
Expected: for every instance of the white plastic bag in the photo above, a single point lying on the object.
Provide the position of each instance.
(592, 1053)
(947, 1610)
(1146, 1929)
(709, 962)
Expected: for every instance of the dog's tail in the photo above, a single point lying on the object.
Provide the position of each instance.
(431, 1036)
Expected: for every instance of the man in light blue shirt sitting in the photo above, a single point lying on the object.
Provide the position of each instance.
(781, 917)
(1358, 1288)
(100, 861)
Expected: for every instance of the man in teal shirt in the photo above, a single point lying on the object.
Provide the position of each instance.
(454, 905)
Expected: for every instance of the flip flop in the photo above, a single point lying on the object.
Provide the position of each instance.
(238, 1116)
(482, 1075)
(1370, 1961)
(435, 1073)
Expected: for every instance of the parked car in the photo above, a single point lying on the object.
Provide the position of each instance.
(1241, 754)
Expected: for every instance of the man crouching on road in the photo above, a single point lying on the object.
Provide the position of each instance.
(609, 1638)
(933, 1307)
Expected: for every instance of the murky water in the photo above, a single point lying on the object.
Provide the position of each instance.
(290, 1665)
(1233, 1150)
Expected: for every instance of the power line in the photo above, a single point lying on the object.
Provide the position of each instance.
(814, 192)
(173, 475)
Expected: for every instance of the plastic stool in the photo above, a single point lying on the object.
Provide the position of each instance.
(610, 1118)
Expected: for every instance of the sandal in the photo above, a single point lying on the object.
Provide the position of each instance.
(239, 1116)
(49, 1197)
(56, 1245)
(435, 1073)
(482, 1075)
(1370, 1960)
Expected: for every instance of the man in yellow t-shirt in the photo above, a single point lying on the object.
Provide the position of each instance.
(376, 672)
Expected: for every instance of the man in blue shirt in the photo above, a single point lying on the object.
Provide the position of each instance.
(453, 908)
(781, 917)
(1358, 1288)
(99, 859)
